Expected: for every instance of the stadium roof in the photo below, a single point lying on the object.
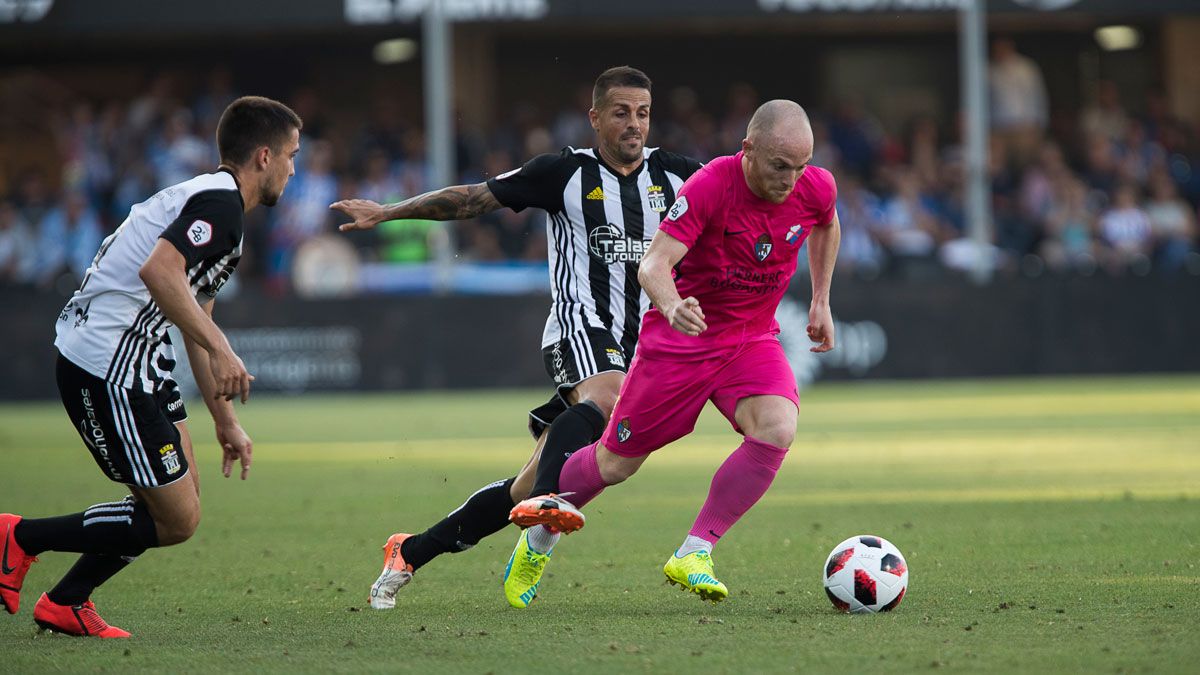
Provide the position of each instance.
(30, 19)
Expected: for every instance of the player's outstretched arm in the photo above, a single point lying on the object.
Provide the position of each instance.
(165, 276)
(457, 202)
(235, 443)
(823, 243)
(654, 274)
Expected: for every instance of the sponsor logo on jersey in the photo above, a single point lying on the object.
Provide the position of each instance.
(174, 405)
(615, 357)
(199, 233)
(658, 200)
(93, 433)
(596, 195)
(607, 244)
(793, 234)
(762, 247)
(748, 280)
(170, 459)
(679, 208)
(623, 431)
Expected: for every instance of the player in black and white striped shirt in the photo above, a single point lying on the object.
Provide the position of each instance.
(603, 206)
(163, 266)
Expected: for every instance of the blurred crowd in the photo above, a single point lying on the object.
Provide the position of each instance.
(1099, 189)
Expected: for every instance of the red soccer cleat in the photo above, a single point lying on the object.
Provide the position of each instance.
(14, 564)
(549, 510)
(78, 620)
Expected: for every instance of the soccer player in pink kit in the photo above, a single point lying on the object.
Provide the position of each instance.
(732, 238)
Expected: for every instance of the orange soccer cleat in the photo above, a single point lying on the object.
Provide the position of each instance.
(550, 510)
(14, 564)
(78, 620)
(395, 575)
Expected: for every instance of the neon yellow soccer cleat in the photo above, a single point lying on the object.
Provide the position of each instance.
(694, 572)
(524, 573)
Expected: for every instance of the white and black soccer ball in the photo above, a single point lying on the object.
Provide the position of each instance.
(865, 574)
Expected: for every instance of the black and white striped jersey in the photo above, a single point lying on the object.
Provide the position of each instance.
(598, 225)
(111, 327)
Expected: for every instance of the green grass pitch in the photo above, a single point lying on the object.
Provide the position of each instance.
(1050, 525)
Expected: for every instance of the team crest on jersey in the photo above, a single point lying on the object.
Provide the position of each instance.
(657, 199)
(762, 247)
(199, 233)
(615, 357)
(623, 432)
(793, 234)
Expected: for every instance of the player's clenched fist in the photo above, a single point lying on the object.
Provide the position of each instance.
(687, 317)
(820, 328)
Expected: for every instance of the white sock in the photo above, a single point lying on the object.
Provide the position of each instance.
(692, 544)
(541, 539)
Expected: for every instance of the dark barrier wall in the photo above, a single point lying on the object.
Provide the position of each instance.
(945, 328)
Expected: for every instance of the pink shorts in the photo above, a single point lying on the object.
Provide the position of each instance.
(661, 399)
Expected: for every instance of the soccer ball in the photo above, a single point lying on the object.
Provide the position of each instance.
(865, 574)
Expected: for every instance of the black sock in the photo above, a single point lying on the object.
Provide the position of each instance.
(484, 513)
(112, 528)
(86, 575)
(579, 425)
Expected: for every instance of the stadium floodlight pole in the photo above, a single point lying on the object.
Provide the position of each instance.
(972, 19)
(439, 126)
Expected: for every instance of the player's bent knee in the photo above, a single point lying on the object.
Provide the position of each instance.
(781, 434)
(614, 475)
(178, 530)
(781, 439)
(178, 527)
(521, 486)
(602, 391)
(616, 469)
(605, 401)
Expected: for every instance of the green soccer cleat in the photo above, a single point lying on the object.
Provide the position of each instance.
(524, 573)
(694, 572)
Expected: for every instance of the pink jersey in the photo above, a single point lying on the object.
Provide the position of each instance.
(742, 253)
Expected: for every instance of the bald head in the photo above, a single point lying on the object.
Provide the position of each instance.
(779, 120)
(778, 147)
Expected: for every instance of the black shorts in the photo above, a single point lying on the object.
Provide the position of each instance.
(131, 434)
(571, 361)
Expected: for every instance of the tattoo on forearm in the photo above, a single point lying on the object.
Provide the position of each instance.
(453, 203)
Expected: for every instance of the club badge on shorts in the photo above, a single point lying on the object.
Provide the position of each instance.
(623, 431)
(170, 459)
(615, 357)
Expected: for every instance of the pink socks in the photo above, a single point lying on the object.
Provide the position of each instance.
(581, 476)
(740, 482)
